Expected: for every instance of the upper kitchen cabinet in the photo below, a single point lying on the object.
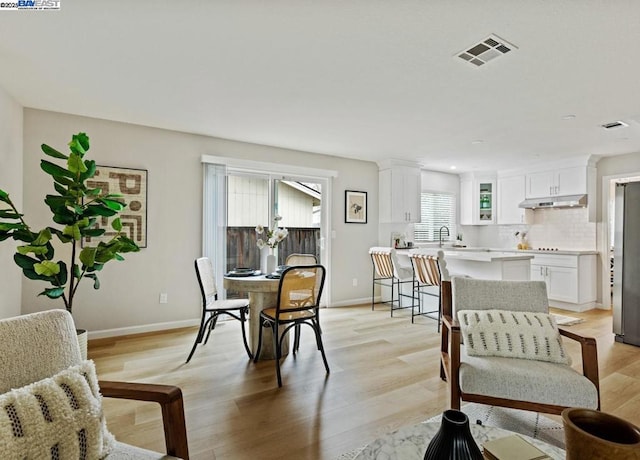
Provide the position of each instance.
(477, 199)
(511, 192)
(399, 187)
(557, 182)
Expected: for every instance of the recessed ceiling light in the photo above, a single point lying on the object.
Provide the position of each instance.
(452, 167)
(477, 141)
(615, 124)
(568, 117)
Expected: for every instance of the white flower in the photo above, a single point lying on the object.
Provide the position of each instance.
(273, 235)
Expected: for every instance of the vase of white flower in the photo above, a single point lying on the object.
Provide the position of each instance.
(269, 246)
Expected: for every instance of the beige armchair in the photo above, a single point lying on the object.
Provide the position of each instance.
(528, 384)
(38, 348)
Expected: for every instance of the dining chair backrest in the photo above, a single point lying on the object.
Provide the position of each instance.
(300, 288)
(206, 279)
(301, 259)
(426, 269)
(382, 261)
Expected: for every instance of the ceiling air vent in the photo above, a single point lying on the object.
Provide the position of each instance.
(486, 50)
(615, 124)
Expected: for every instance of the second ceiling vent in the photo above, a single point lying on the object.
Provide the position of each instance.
(486, 50)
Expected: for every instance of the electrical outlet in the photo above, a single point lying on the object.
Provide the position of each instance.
(163, 297)
(355, 282)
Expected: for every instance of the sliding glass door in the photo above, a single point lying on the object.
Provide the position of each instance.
(236, 200)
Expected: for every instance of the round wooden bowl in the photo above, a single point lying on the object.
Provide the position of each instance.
(591, 434)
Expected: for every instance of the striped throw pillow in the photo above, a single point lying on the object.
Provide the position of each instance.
(512, 334)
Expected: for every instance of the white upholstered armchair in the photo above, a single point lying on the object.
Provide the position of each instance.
(50, 404)
(512, 354)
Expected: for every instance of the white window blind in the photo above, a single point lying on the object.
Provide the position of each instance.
(437, 209)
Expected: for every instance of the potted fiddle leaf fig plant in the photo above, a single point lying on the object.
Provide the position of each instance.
(75, 208)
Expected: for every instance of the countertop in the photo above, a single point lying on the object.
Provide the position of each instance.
(526, 251)
(470, 254)
(569, 252)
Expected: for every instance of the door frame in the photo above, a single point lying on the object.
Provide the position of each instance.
(276, 170)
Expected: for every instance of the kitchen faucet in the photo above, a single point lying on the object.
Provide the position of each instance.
(440, 233)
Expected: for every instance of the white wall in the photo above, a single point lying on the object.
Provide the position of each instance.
(10, 182)
(128, 297)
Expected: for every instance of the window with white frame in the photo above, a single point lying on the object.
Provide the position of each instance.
(437, 209)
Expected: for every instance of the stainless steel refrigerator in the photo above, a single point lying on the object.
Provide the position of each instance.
(626, 264)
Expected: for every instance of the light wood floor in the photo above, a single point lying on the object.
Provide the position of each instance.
(384, 374)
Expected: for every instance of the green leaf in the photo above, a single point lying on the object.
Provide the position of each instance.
(38, 250)
(60, 189)
(112, 204)
(94, 232)
(53, 293)
(43, 237)
(64, 181)
(24, 261)
(46, 268)
(8, 226)
(76, 271)
(52, 152)
(72, 231)
(54, 170)
(96, 281)
(90, 172)
(88, 256)
(79, 143)
(75, 164)
(93, 192)
(99, 210)
(4, 196)
(116, 224)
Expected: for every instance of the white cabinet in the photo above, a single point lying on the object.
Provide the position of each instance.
(511, 192)
(477, 200)
(571, 279)
(400, 189)
(564, 181)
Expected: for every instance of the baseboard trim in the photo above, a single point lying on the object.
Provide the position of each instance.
(132, 330)
(351, 302)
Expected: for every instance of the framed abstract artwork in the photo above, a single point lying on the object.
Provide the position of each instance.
(355, 207)
(132, 185)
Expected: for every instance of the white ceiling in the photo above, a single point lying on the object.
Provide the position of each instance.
(362, 79)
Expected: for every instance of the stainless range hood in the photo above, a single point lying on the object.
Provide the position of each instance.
(566, 201)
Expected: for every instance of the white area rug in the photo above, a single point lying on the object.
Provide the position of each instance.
(566, 320)
(530, 424)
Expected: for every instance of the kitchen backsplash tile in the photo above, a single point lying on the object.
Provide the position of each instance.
(567, 229)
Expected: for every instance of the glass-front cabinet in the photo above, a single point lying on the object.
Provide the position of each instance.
(477, 199)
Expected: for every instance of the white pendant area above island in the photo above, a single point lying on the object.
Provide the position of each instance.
(490, 265)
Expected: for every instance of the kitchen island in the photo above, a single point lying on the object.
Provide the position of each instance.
(490, 265)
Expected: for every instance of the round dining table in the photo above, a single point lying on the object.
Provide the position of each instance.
(263, 293)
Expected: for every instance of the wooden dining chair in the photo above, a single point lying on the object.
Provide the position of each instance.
(212, 307)
(298, 304)
(301, 259)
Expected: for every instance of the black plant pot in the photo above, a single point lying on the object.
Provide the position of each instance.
(453, 441)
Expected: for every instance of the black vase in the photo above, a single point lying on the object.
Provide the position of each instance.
(453, 441)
